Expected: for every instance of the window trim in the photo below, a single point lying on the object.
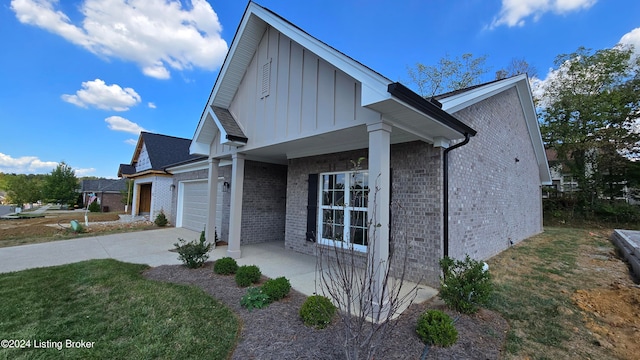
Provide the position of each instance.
(347, 209)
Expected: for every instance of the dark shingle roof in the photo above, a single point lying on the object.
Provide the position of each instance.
(103, 185)
(229, 124)
(164, 150)
(126, 169)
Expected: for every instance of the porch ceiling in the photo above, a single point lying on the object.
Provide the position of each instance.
(337, 141)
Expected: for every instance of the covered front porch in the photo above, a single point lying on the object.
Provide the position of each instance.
(300, 269)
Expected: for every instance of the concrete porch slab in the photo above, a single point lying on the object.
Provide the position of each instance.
(274, 261)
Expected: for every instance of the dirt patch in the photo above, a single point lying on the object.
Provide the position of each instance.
(613, 315)
(55, 225)
(276, 332)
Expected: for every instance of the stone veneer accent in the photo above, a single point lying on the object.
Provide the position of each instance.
(416, 203)
(494, 199)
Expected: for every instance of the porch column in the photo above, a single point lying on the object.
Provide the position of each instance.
(235, 218)
(213, 198)
(379, 191)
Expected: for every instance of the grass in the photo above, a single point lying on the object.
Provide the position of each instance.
(534, 281)
(109, 303)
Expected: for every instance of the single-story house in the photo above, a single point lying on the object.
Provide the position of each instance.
(108, 193)
(301, 122)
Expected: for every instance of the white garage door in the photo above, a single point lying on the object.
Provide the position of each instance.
(194, 205)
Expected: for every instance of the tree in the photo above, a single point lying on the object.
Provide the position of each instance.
(23, 189)
(588, 109)
(448, 75)
(357, 284)
(517, 66)
(61, 185)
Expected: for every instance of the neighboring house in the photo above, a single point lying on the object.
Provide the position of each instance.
(108, 193)
(563, 181)
(293, 115)
(153, 187)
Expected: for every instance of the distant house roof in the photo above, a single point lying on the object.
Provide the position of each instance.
(103, 185)
(163, 151)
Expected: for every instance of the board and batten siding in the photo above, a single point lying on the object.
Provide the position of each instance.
(305, 96)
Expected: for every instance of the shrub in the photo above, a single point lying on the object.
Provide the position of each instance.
(247, 275)
(94, 207)
(465, 285)
(193, 254)
(436, 328)
(225, 266)
(276, 288)
(255, 298)
(317, 311)
(161, 219)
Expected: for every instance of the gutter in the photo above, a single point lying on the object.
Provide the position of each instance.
(433, 109)
(445, 190)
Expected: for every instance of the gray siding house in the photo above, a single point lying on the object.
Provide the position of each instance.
(320, 145)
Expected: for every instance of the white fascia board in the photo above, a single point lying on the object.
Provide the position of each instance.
(531, 118)
(458, 102)
(195, 166)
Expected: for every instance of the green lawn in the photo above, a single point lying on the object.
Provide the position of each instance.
(110, 304)
(534, 283)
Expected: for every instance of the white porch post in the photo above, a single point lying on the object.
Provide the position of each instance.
(379, 191)
(235, 218)
(213, 197)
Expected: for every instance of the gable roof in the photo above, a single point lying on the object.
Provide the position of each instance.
(375, 88)
(163, 151)
(460, 99)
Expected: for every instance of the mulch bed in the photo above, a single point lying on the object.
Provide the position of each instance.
(276, 332)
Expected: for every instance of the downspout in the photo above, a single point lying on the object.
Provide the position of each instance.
(445, 186)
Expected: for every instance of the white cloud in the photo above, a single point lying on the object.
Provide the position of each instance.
(132, 142)
(84, 172)
(151, 105)
(514, 12)
(25, 165)
(539, 86)
(118, 123)
(155, 34)
(107, 97)
(632, 38)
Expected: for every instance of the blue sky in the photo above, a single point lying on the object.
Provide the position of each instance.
(80, 79)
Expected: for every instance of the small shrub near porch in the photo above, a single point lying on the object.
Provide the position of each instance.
(195, 253)
(465, 284)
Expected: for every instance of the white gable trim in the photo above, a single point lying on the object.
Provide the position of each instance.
(254, 22)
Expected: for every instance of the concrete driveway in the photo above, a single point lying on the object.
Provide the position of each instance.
(142, 247)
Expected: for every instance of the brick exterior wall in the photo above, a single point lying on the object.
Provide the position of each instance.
(264, 202)
(416, 203)
(112, 200)
(493, 199)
